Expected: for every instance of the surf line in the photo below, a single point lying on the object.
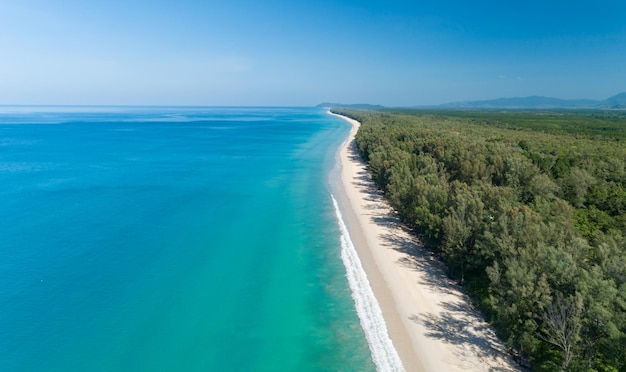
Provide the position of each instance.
(384, 354)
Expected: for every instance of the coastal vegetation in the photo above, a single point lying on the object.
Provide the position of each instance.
(527, 210)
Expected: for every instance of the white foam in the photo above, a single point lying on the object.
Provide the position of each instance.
(384, 354)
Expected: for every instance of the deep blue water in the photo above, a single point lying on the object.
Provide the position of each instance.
(165, 239)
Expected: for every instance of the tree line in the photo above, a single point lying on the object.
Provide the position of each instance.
(529, 218)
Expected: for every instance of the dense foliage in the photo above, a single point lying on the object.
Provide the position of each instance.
(528, 210)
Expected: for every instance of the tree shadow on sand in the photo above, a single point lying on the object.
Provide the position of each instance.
(417, 258)
(459, 324)
(364, 181)
(476, 342)
(400, 238)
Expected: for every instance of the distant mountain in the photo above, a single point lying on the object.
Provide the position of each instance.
(539, 102)
(617, 101)
(364, 106)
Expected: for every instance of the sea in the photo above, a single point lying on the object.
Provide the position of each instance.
(174, 239)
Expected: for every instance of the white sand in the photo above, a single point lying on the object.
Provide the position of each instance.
(430, 321)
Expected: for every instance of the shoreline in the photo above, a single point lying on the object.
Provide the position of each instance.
(430, 321)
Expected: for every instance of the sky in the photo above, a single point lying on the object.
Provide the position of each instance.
(301, 53)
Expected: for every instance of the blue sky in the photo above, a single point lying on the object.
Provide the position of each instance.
(275, 52)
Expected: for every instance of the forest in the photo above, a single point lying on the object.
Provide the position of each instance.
(528, 212)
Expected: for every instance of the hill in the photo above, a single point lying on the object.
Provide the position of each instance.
(618, 101)
(539, 102)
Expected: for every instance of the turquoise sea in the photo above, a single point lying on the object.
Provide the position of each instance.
(172, 239)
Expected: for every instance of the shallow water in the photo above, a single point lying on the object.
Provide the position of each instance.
(172, 239)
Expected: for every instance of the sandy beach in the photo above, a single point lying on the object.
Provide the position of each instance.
(429, 319)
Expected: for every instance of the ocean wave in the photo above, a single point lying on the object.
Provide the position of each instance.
(384, 354)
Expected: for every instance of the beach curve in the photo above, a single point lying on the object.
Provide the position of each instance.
(429, 319)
